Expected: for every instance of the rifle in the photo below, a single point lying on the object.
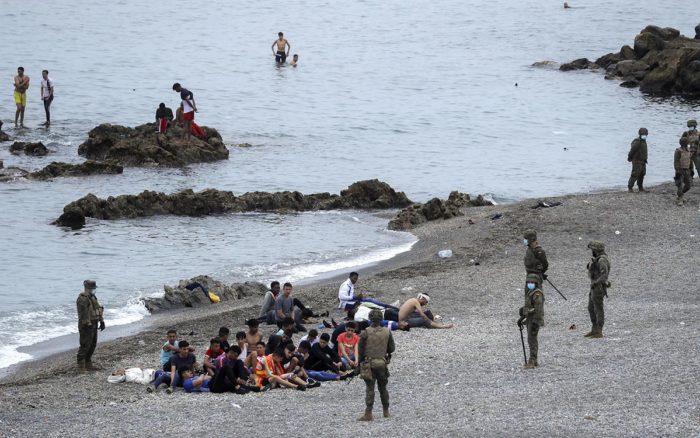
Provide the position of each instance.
(555, 288)
(522, 340)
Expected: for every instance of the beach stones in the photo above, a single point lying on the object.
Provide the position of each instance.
(435, 209)
(32, 149)
(143, 146)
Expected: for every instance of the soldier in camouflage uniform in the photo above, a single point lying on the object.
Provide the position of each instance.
(683, 164)
(638, 157)
(376, 345)
(533, 314)
(89, 317)
(693, 136)
(535, 259)
(598, 270)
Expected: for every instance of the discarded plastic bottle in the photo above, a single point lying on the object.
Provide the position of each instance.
(445, 253)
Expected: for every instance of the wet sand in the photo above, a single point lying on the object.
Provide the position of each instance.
(639, 380)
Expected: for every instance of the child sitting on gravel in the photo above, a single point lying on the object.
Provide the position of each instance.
(211, 355)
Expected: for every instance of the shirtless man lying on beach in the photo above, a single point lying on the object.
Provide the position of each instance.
(412, 312)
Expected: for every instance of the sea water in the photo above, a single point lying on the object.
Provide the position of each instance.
(419, 94)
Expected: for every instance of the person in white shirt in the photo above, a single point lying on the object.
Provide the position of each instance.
(46, 95)
(348, 298)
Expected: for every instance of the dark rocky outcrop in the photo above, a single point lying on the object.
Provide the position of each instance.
(697, 32)
(12, 173)
(435, 209)
(56, 169)
(33, 149)
(179, 296)
(370, 194)
(662, 62)
(143, 146)
(4, 136)
(579, 64)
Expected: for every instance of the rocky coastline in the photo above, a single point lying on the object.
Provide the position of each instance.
(661, 62)
(57, 169)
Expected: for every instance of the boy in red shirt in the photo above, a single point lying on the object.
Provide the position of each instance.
(348, 345)
(211, 354)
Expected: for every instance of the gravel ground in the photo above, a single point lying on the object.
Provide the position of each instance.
(640, 380)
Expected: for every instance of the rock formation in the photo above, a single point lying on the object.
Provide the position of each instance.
(56, 169)
(179, 296)
(435, 209)
(33, 149)
(370, 194)
(143, 146)
(661, 62)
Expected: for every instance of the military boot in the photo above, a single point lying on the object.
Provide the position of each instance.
(385, 411)
(531, 363)
(589, 334)
(597, 332)
(367, 416)
(81, 366)
(91, 366)
(629, 189)
(679, 201)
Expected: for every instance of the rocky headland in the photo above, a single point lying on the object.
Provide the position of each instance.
(369, 194)
(143, 146)
(661, 62)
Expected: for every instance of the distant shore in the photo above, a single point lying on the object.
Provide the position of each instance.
(466, 381)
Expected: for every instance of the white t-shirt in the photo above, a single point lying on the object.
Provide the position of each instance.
(346, 293)
(45, 85)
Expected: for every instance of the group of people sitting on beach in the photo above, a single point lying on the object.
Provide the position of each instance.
(250, 364)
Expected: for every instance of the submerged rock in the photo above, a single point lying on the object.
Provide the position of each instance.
(662, 62)
(579, 64)
(370, 194)
(4, 136)
(56, 169)
(34, 149)
(435, 209)
(143, 146)
(180, 296)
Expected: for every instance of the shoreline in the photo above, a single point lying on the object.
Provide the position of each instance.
(468, 380)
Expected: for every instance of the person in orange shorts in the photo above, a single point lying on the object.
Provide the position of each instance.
(20, 94)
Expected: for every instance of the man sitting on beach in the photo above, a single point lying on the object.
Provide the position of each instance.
(348, 297)
(271, 372)
(320, 376)
(231, 374)
(412, 312)
(267, 311)
(257, 355)
(253, 335)
(182, 359)
(311, 337)
(211, 355)
(285, 308)
(322, 357)
(347, 345)
(223, 338)
(191, 383)
(242, 343)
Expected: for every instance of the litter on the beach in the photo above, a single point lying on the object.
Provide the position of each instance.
(617, 232)
(445, 253)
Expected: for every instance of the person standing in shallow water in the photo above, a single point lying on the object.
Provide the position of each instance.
(46, 95)
(90, 318)
(638, 157)
(20, 95)
(283, 48)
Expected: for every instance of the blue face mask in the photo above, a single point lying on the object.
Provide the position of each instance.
(525, 242)
(643, 137)
(531, 286)
(92, 292)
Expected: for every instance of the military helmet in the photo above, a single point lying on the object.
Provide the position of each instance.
(90, 284)
(530, 235)
(643, 131)
(692, 122)
(683, 141)
(375, 315)
(596, 246)
(533, 278)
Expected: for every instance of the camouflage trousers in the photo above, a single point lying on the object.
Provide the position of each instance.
(684, 182)
(88, 341)
(380, 375)
(532, 330)
(696, 161)
(639, 169)
(595, 305)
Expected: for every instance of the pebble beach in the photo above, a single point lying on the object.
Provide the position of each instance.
(639, 380)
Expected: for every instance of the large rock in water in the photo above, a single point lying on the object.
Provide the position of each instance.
(3, 136)
(370, 194)
(56, 169)
(179, 296)
(143, 146)
(33, 149)
(435, 209)
(663, 62)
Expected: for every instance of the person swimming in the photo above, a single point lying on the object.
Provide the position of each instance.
(295, 60)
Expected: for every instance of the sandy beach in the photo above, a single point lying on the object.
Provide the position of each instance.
(639, 380)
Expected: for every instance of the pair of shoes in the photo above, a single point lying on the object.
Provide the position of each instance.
(252, 388)
(311, 383)
(326, 324)
(301, 388)
(266, 388)
(169, 390)
(150, 388)
(335, 324)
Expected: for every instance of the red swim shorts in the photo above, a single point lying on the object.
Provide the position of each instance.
(188, 116)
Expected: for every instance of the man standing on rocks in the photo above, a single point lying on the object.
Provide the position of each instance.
(376, 345)
(535, 258)
(46, 95)
(20, 95)
(638, 157)
(90, 315)
(693, 136)
(683, 163)
(532, 313)
(188, 108)
(598, 270)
